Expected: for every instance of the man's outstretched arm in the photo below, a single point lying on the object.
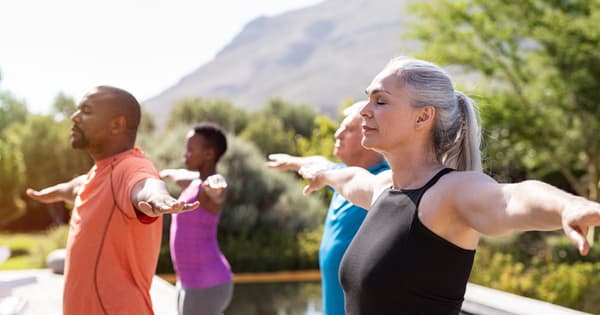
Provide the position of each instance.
(66, 191)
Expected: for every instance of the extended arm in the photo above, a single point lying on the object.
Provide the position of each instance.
(61, 192)
(286, 162)
(494, 209)
(150, 196)
(354, 183)
(181, 177)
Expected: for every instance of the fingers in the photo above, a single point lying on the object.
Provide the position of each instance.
(307, 190)
(43, 195)
(216, 181)
(278, 156)
(282, 161)
(191, 206)
(32, 193)
(577, 237)
(159, 208)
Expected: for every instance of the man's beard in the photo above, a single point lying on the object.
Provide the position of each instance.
(81, 142)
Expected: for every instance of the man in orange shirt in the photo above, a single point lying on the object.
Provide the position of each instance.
(115, 229)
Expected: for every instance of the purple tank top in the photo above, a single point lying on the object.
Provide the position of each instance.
(195, 251)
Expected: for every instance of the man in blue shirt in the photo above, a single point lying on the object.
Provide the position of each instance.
(343, 218)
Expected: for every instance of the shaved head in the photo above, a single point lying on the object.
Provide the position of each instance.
(121, 103)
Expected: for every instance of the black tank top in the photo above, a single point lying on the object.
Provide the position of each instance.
(396, 265)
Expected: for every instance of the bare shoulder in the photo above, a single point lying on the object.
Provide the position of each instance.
(463, 188)
(465, 180)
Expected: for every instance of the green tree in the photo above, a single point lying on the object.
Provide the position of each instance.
(322, 139)
(222, 112)
(12, 177)
(11, 110)
(48, 158)
(538, 70)
(63, 106)
(147, 123)
(269, 134)
(279, 126)
(260, 198)
(298, 118)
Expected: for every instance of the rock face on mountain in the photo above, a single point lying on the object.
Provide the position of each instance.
(320, 55)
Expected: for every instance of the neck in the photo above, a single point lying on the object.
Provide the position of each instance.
(366, 161)
(412, 167)
(207, 171)
(102, 153)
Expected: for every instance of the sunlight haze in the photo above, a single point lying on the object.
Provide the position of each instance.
(70, 46)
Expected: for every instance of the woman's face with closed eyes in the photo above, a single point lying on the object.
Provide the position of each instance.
(388, 118)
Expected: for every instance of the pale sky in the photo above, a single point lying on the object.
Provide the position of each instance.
(70, 46)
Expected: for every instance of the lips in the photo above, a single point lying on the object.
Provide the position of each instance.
(76, 130)
(367, 129)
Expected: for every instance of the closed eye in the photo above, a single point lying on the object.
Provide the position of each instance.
(380, 101)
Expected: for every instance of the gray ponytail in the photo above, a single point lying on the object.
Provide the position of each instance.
(462, 152)
(456, 134)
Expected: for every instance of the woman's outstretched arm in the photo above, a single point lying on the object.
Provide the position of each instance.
(354, 183)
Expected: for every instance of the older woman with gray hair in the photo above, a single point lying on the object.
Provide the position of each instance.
(414, 252)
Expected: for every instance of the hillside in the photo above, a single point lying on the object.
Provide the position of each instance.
(319, 56)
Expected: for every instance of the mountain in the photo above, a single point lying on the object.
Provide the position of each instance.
(320, 55)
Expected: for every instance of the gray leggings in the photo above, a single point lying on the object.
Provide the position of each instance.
(204, 301)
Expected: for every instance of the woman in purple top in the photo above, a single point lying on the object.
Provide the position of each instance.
(204, 277)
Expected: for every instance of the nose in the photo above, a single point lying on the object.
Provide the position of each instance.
(338, 133)
(365, 110)
(75, 116)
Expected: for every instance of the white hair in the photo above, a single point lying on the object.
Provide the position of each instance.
(457, 133)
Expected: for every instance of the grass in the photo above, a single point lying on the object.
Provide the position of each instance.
(29, 250)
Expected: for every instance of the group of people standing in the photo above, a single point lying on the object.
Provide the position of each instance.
(409, 206)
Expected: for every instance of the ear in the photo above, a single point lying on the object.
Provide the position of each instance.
(118, 125)
(425, 116)
(210, 154)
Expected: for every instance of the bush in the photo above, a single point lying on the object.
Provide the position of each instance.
(546, 275)
(266, 224)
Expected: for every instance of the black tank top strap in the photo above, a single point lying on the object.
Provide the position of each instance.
(416, 194)
(435, 178)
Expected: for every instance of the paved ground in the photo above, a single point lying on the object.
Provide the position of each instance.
(45, 296)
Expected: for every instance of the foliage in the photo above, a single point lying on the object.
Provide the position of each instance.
(538, 68)
(220, 111)
(298, 118)
(63, 106)
(270, 135)
(279, 127)
(266, 224)
(262, 198)
(569, 284)
(47, 157)
(270, 250)
(29, 251)
(322, 139)
(11, 110)
(147, 123)
(12, 179)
